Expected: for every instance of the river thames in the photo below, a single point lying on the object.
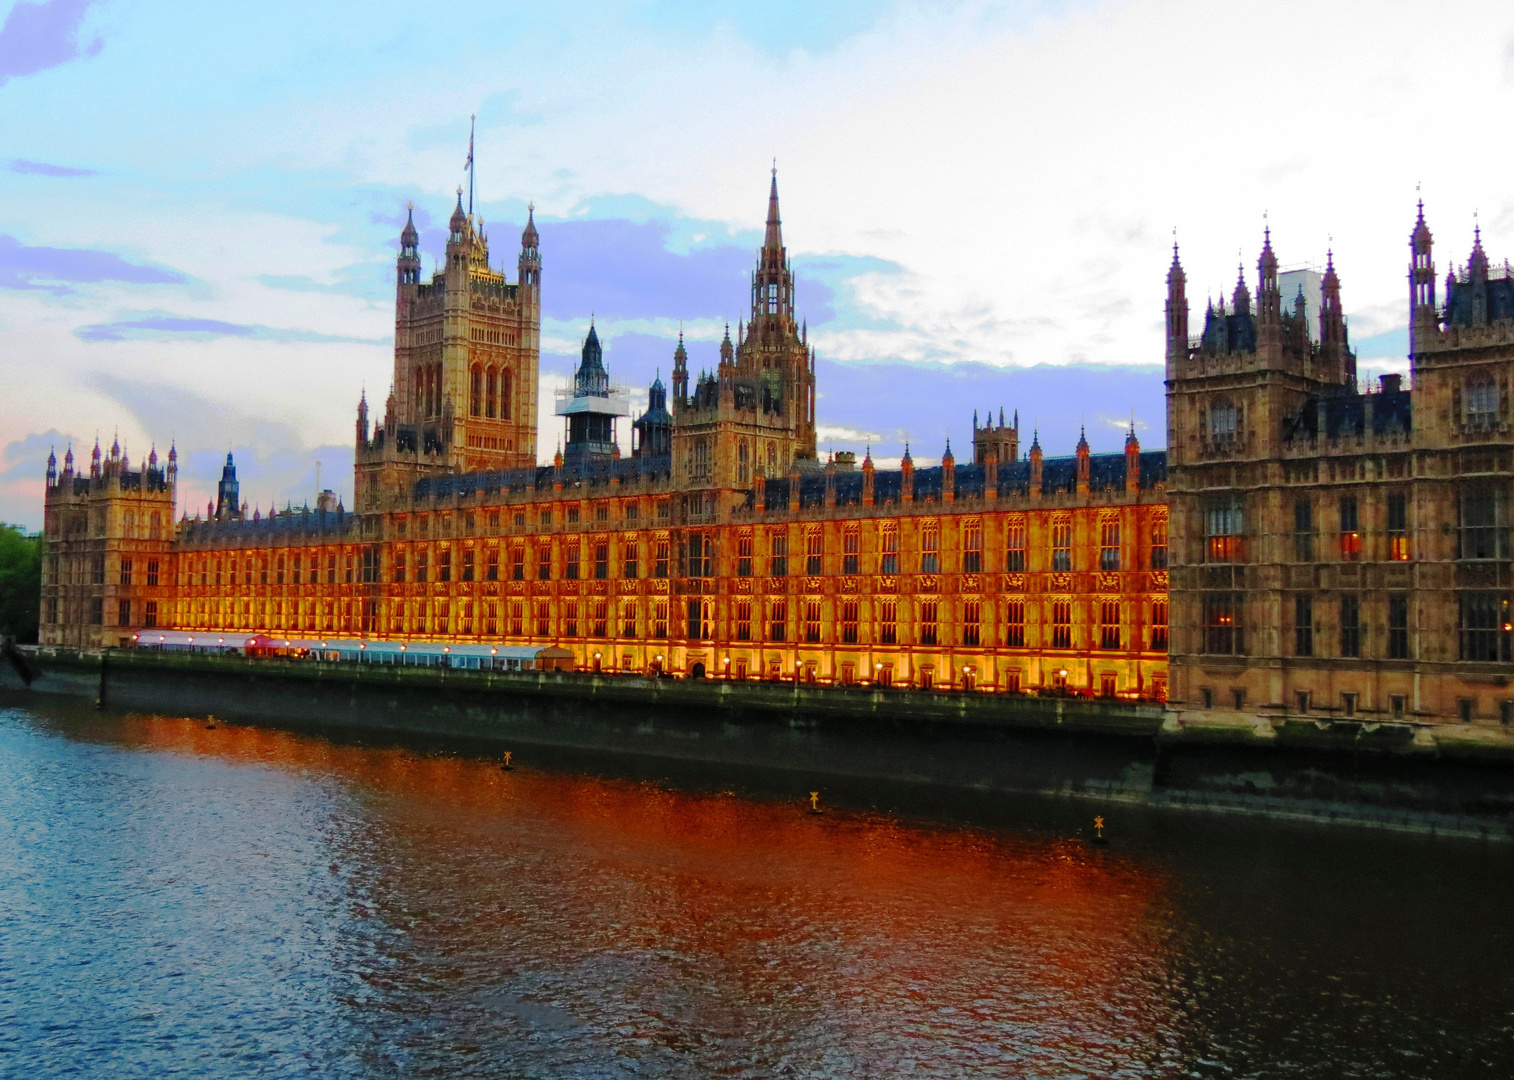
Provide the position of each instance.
(236, 901)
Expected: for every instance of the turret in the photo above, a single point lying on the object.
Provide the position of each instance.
(530, 253)
(1132, 461)
(1240, 300)
(1336, 358)
(408, 265)
(1477, 278)
(1084, 469)
(1269, 303)
(173, 463)
(681, 372)
(1422, 311)
(948, 475)
(68, 463)
(907, 477)
(52, 469)
(457, 225)
(94, 461)
(1177, 313)
(362, 420)
(1036, 467)
(654, 430)
(869, 477)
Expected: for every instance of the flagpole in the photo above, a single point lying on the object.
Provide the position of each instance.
(471, 121)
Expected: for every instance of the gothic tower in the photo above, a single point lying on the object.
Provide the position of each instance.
(755, 416)
(466, 365)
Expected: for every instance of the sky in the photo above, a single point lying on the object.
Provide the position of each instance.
(200, 204)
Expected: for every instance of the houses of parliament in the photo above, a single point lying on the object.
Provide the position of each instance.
(1302, 548)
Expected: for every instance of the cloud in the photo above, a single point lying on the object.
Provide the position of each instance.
(42, 168)
(830, 433)
(23, 468)
(26, 458)
(360, 281)
(170, 327)
(50, 268)
(274, 465)
(39, 36)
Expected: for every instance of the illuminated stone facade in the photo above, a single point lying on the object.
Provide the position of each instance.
(108, 565)
(467, 350)
(721, 547)
(1342, 554)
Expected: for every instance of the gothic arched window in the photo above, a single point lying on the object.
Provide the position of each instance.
(476, 398)
(1222, 421)
(490, 398)
(1482, 401)
(504, 394)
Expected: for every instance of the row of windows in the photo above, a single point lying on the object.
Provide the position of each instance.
(930, 552)
(750, 620)
(571, 514)
(698, 559)
(1350, 627)
(1485, 626)
(125, 609)
(74, 571)
(1482, 533)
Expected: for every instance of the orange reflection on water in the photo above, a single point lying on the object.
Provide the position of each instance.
(629, 919)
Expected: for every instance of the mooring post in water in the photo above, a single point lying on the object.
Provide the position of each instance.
(100, 696)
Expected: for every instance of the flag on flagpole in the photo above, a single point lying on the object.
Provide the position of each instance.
(468, 165)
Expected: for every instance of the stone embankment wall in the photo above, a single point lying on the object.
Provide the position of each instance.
(1383, 775)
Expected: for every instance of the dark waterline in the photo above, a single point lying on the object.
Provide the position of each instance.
(248, 902)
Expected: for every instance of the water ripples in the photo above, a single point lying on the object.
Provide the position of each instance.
(246, 902)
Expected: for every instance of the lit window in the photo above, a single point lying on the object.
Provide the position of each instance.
(972, 547)
(1014, 544)
(1061, 545)
(1398, 527)
(1223, 526)
(930, 544)
(1014, 624)
(1351, 536)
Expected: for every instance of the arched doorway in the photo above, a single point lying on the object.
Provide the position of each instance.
(696, 671)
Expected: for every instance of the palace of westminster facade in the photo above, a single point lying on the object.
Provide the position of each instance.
(1316, 551)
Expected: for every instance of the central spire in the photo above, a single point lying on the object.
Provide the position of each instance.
(774, 240)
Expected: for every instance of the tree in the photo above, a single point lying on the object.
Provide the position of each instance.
(20, 583)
